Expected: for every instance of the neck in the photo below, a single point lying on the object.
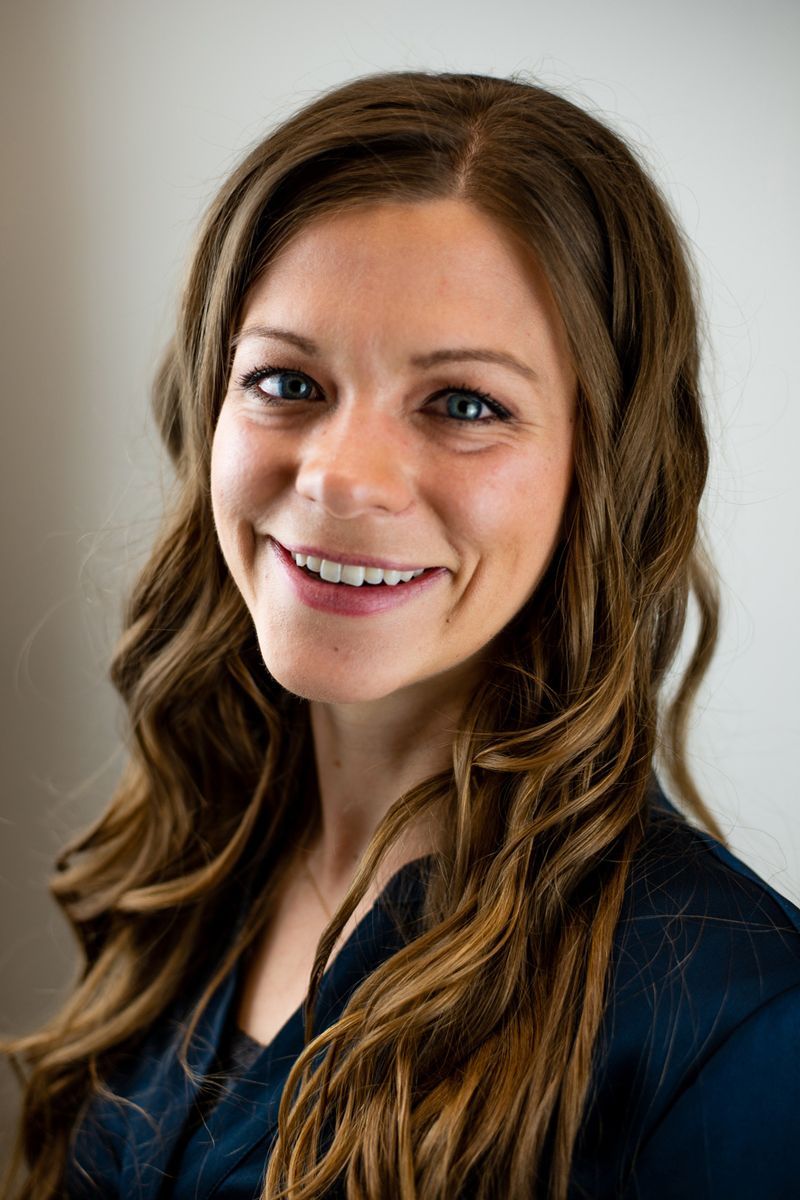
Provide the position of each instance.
(366, 757)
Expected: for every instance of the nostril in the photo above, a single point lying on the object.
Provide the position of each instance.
(347, 479)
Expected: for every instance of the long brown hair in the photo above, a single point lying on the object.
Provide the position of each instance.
(483, 1070)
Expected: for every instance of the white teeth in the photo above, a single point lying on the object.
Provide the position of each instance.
(331, 571)
(355, 576)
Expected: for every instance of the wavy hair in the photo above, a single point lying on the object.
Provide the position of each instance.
(477, 1036)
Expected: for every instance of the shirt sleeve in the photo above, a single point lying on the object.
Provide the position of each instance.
(733, 1132)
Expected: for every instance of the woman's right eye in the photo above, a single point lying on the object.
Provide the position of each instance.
(271, 385)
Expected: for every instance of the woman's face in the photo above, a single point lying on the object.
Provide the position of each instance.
(401, 394)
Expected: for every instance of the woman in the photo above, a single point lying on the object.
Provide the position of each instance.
(389, 902)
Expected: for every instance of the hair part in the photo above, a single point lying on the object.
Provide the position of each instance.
(485, 1070)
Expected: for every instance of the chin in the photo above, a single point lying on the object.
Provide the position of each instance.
(312, 678)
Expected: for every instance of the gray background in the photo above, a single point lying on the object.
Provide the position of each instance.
(121, 119)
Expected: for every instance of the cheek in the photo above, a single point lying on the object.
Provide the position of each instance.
(234, 501)
(508, 515)
(513, 512)
(243, 476)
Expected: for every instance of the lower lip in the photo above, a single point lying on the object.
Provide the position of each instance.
(348, 601)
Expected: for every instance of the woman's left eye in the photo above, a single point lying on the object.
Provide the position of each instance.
(463, 403)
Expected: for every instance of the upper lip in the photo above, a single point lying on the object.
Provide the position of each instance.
(353, 560)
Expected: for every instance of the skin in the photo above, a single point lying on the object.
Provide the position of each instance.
(377, 460)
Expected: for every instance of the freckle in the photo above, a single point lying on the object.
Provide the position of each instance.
(337, 762)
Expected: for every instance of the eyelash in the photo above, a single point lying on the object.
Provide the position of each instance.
(250, 380)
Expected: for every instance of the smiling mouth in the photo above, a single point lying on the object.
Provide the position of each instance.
(359, 598)
(352, 575)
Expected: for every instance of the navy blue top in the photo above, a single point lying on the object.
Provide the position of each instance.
(695, 1091)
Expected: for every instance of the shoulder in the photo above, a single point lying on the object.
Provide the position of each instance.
(694, 912)
(702, 1022)
(734, 1117)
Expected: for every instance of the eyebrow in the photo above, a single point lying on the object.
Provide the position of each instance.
(498, 358)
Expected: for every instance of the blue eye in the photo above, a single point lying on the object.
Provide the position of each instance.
(464, 404)
(468, 404)
(291, 390)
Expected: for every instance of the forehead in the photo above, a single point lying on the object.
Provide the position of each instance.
(453, 230)
(440, 261)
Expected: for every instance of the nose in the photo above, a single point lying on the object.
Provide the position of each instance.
(355, 462)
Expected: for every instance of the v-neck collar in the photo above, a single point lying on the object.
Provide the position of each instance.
(255, 1096)
(403, 891)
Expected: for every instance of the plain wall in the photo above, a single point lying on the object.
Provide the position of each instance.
(121, 120)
